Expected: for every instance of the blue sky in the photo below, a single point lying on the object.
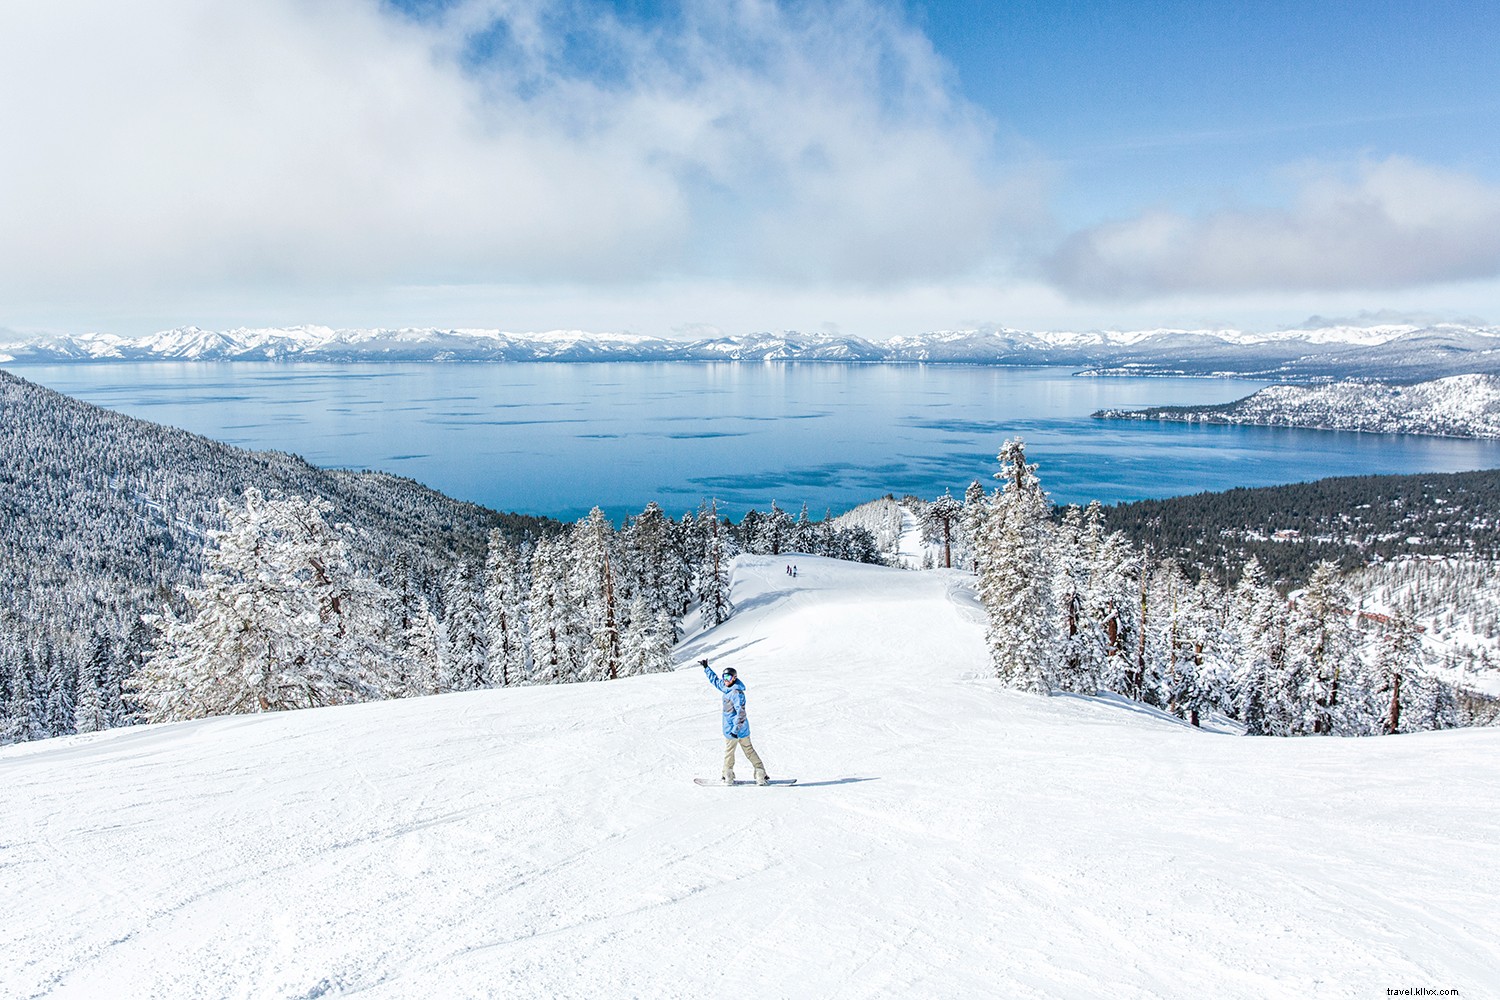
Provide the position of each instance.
(871, 167)
(1183, 102)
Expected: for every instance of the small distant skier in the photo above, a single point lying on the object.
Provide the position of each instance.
(736, 724)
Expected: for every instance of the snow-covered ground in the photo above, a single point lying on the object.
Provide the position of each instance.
(948, 839)
(912, 550)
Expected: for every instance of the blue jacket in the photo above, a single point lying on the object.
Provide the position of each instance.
(736, 724)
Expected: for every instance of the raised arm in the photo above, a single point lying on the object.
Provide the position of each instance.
(713, 678)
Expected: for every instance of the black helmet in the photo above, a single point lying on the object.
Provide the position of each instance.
(730, 672)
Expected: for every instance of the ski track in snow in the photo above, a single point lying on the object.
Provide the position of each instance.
(549, 841)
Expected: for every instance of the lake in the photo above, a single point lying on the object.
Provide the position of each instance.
(559, 438)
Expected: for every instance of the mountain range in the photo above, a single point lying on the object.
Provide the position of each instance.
(1401, 352)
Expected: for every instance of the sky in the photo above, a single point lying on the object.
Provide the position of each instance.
(860, 167)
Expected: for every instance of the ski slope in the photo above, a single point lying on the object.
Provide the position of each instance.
(948, 838)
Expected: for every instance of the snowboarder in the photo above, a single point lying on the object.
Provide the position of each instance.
(736, 724)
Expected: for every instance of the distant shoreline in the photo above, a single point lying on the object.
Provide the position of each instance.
(1400, 353)
(1465, 407)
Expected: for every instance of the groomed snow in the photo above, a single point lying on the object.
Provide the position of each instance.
(948, 838)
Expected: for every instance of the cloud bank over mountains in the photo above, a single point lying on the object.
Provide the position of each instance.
(1392, 224)
(748, 164)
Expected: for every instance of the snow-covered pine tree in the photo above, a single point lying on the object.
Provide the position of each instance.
(1168, 660)
(59, 694)
(1210, 649)
(776, 534)
(713, 571)
(641, 563)
(805, 533)
(1323, 659)
(464, 634)
(1258, 621)
(90, 714)
(1395, 686)
(943, 516)
(1437, 704)
(551, 617)
(140, 640)
(652, 565)
(686, 546)
(594, 592)
(972, 521)
(15, 702)
(1077, 664)
(423, 647)
(646, 646)
(279, 621)
(1015, 577)
(1112, 562)
(504, 602)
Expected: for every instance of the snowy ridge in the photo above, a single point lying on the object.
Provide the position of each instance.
(1432, 350)
(1464, 406)
(948, 837)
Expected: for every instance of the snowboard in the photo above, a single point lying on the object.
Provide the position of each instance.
(743, 781)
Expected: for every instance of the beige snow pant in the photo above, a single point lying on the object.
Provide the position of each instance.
(754, 758)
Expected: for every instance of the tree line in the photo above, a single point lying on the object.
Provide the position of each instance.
(106, 521)
(1072, 606)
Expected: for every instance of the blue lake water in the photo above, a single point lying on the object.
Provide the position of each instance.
(559, 438)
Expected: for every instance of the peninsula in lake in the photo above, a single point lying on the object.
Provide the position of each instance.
(1462, 406)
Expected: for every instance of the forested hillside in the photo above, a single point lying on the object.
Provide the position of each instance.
(103, 517)
(1351, 520)
(355, 585)
(1463, 406)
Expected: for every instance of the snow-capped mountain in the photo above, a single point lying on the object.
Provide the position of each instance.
(1466, 406)
(1406, 352)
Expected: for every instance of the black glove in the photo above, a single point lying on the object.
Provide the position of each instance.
(705, 663)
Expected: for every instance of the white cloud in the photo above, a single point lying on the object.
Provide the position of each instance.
(1388, 224)
(173, 151)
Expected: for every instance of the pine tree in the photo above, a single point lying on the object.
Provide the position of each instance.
(942, 517)
(1208, 652)
(1323, 659)
(280, 621)
(505, 631)
(713, 572)
(1396, 686)
(90, 714)
(805, 534)
(973, 519)
(1259, 624)
(136, 649)
(652, 564)
(595, 595)
(60, 693)
(1111, 562)
(685, 555)
(464, 634)
(1015, 578)
(1166, 670)
(1077, 663)
(551, 615)
(424, 651)
(15, 710)
(646, 646)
